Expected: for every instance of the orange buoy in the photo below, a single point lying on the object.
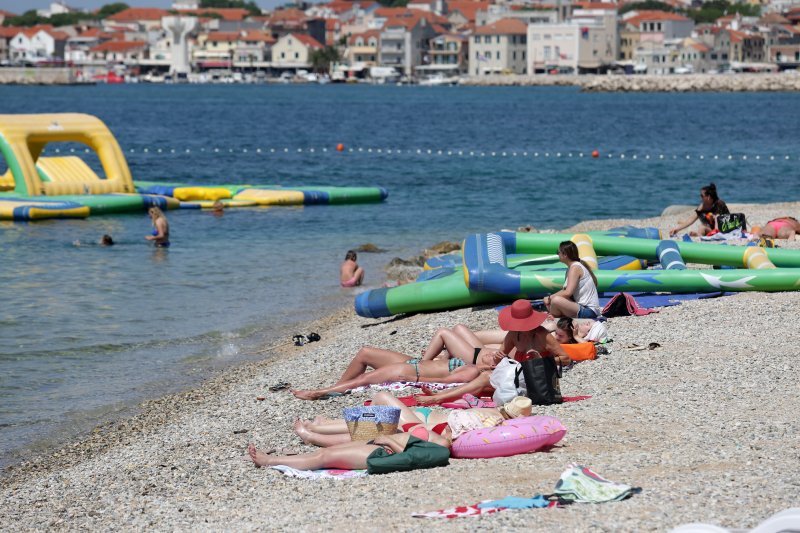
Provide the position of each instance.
(340, 147)
(596, 154)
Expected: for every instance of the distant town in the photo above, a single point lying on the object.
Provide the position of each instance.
(422, 41)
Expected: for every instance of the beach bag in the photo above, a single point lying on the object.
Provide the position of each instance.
(507, 382)
(542, 380)
(623, 304)
(366, 423)
(731, 221)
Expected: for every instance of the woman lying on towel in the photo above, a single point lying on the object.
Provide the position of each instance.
(404, 368)
(387, 453)
(579, 330)
(779, 228)
(440, 427)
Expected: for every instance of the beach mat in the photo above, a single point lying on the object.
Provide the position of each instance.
(649, 299)
(329, 473)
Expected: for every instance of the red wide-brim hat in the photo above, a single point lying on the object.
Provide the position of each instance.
(520, 316)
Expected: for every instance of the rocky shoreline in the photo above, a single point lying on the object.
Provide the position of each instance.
(703, 424)
(650, 83)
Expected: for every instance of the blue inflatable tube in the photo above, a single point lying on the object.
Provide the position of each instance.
(669, 256)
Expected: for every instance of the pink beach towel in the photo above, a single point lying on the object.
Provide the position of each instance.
(330, 473)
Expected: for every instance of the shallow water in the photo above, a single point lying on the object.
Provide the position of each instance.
(85, 331)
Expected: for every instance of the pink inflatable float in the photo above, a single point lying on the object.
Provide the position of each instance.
(512, 437)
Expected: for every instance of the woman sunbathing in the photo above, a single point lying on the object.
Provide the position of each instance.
(440, 427)
(404, 369)
(375, 455)
(462, 342)
(526, 338)
(779, 228)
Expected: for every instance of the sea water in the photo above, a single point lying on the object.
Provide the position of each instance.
(86, 331)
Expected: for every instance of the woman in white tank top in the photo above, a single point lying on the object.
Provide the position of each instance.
(578, 298)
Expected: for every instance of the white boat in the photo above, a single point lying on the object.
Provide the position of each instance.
(438, 79)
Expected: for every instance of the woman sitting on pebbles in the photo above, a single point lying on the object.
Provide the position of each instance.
(578, 298)
(440, 426)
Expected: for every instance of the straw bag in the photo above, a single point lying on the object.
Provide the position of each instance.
(366, 423)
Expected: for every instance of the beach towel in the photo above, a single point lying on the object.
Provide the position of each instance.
(623, 304)
(719, 236)
(577, 484)
(582, 485)
(330, 473)
(395, 386)
(459, 512)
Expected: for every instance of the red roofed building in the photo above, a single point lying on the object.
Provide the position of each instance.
(294, 50)
(229, 14)
(138, 18)
(5, 15)
(333, 31)
(363, 48)
(78, 48)
(461, 13)
(119, 51)
(37, 43)
(499, 48)
(217, 49)
(405, 37)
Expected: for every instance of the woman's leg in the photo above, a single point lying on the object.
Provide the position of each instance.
(407, 414)
(329, 427)
(490, 336)
(359, 275)
(319, 439)
(350, 456)
(396, 372)
(457, 345)
(561, 307)
(370, 356)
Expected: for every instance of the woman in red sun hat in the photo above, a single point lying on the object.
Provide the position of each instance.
(526, 339)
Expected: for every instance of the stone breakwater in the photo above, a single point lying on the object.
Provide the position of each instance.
(671, 83)
(38, 76)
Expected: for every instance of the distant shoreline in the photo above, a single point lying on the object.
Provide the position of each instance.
(649, 83)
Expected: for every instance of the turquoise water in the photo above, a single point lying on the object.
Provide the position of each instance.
(86, 332)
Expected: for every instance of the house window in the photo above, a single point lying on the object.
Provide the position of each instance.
(477, 39)
(283, 55)
(297, 55)
(546, 37)
(497, 39)
(477, 55)
(498, 55)
(487, 39)
(523, 56)
(523, 39)
(359, 42)
(547, 52)
(535, 36)
(514, 56)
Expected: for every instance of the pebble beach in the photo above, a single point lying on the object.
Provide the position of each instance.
(706, 424)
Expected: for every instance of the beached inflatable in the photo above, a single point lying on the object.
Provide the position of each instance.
(512, 437)
(487, 278)
(32, 182)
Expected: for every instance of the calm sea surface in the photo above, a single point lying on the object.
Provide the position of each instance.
(86, 332)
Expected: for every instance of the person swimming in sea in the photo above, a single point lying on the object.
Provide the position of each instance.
(160, 235)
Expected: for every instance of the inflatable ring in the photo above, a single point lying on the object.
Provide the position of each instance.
(512, 437)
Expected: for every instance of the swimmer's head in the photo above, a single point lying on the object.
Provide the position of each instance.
(350, 256)
(217, 206)
(106, 240)
(155, 212)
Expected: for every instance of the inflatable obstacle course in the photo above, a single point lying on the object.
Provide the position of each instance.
(487, 275)
(37, 187)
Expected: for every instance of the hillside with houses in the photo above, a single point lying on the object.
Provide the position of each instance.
(423, 40)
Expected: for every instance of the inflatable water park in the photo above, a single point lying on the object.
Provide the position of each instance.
(36, 187)
(502, 266)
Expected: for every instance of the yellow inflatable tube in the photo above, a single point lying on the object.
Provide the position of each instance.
(271, 196)
(585, 249)
(210, 194)
(32, 210)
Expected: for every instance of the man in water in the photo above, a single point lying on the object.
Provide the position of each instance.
(350, 274)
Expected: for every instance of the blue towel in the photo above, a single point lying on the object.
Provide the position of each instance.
(515, 502)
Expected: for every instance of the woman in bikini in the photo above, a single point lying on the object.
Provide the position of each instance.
(160, 235)
(405, 368)
(439, 427)
(779, 228)
(526, 338)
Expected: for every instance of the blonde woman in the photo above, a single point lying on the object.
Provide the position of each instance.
(160, 235)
